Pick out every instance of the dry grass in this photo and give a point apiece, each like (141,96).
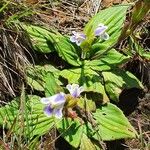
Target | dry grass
(12,63)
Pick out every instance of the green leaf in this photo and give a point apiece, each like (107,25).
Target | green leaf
(112,17)
(86,143)
(30,119)
(51,87)
(76,132)
(112,124)
(107,61)
(36,117)
(146,55)
(88,103)
(4,6)
(67,51)
(36,82)
(36,76)
(42,39)
(87,78)
(47,41)
(140,10)
(117,81)
(71,130)
(138,49)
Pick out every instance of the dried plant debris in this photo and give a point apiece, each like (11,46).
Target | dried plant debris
(12,63)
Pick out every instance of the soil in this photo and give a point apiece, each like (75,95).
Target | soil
(140,119)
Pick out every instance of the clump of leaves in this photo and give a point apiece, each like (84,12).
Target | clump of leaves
(94,64)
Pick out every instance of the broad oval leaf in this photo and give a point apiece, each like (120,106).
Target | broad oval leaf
(111,59)
(51,86)
(30,121)
(47,41)
(86,143)
(71,130)
(112,124)
(67,51)
(36,76)
(112,17)
(117,81)
(88,78)
(41,38)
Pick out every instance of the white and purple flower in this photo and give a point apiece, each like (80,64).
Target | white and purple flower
(77,37)
(54,105)
(75,90)
(101,32)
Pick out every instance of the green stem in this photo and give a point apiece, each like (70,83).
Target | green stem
(2,8)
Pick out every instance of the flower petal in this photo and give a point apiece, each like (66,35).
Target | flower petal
(100,30)
(69,86)
(78,42)
(58,99)
(74,89)
(75,85)
(105,36)
(75,92)
(81,89)
(58,113)
(45,100)
(74,33)
(48,111)
(82,36)
(73,38)
(77,37)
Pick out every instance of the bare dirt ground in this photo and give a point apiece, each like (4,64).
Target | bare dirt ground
(140,119)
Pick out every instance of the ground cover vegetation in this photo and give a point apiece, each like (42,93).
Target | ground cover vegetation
(71,74)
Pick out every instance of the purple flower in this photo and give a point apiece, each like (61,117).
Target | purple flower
(77,38)
(101,32)
(75,90)
(54,105)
